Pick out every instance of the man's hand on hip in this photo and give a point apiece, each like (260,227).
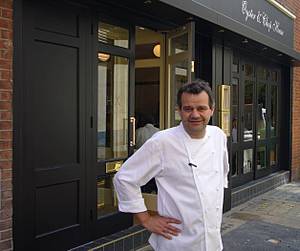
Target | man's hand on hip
(159,225)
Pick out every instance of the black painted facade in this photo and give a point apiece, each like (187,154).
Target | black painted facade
(55,103)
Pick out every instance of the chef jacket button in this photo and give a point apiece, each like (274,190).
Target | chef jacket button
(218,189)
(216,171)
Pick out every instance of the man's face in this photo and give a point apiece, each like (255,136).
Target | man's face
(195,113)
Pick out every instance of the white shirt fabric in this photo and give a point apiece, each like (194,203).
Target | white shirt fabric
(191,193)
(144,133)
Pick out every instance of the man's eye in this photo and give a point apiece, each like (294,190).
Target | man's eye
(202,108)
(188,109)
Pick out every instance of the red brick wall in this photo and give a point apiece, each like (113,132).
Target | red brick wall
(294,7)
(6,48)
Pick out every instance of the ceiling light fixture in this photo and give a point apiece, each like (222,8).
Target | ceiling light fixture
(103,56)
(245,41)
(156,50)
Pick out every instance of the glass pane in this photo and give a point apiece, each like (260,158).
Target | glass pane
(113,35)
(262,73)
(234,164)
(179,76)
(147,83)
(235,110)
(274,76)
(147,51)
(247,163)
(249,70)
(235,65)
(273,154)
(261,158)
(112,108)
(178,44)
(106,197)
(248,111)
(273,110)
(261,111)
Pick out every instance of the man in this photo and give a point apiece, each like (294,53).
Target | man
(146,130)
(190,166)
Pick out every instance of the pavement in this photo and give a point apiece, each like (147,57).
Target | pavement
(269,222)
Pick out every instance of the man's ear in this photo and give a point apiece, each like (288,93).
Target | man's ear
(212,110)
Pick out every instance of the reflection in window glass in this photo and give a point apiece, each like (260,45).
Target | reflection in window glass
(261,157)
(147,51)
(234,164)
(274,108)
(247,162)
(106,197)
(235,110)
(273,155)
(235,65)
(274,76)
(262,73)
(248,111)
(179,44)
(261,111)
(113,35)
(112,126)
(249,70)
(179,76)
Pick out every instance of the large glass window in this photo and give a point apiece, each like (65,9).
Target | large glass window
(261,118)
(261,157)
(248,111)
(249,70)
(180,77)
(106,197)
(234,164)
(248,162)
(235,65)
(274,102)
(178,44)
(113,35)
(235,110)
(112,141)
(273,154)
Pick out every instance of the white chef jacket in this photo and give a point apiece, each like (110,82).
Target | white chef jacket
(190,190)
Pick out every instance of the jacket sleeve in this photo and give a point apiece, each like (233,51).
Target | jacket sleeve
(142,166)
(225,162)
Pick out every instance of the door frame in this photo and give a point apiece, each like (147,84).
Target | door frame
(117,221)
(255,143)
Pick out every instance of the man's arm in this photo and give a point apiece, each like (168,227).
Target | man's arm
(142,166)
(158,224)
(225,163)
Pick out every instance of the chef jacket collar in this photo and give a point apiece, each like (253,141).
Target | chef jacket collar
(187,137)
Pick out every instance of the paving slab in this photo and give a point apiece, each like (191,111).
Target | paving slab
(261,236)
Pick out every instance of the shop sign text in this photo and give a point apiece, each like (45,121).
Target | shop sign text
(261,17)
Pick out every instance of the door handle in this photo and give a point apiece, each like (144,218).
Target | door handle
(132,122)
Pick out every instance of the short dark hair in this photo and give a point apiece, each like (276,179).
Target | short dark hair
(196,87)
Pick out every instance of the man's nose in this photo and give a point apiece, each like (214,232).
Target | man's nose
(195,114)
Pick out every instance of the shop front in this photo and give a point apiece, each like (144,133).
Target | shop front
(89,74)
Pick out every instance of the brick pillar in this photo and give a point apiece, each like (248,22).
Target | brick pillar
(6,48)
(294,6)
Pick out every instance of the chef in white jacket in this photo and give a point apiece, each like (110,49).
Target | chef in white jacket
(190,165)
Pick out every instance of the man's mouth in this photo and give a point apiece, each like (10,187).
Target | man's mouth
(195,121)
